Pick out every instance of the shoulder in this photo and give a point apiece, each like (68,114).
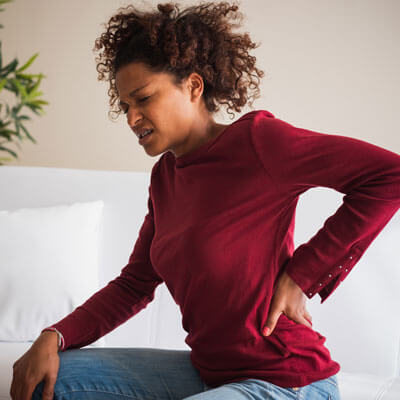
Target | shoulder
(254,116)
(250,121)
(262,119)
(267,130)
(257,115)
(262,123)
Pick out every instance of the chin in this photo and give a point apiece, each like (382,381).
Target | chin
(153,152)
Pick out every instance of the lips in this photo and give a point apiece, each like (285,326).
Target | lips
(139,132)
(145,138)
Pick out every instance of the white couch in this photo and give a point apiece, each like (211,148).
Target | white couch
(360,320)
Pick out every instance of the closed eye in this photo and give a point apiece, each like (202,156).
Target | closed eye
(144,99)
(124,107)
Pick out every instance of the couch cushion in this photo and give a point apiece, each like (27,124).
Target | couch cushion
(48,265)
(353,386)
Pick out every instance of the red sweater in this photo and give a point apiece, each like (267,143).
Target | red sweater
(219,231)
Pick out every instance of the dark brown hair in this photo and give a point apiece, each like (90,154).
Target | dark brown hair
(197,39)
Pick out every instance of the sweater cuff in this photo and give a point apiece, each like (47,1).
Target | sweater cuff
(313,276)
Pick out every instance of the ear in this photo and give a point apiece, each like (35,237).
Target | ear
(195,85)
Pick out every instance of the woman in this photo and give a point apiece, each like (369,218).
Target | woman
(219,228)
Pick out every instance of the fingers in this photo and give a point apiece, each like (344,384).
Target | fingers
(301,317)
(26,392)
(22,389)
(12,392)
(299,313)
(14,386)
(274,314)
(308,316)
(28,388)
(34,367)
(48,390)
(271,322)
(289,299)
(305,321)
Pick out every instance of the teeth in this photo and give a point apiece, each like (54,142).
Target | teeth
(145,133)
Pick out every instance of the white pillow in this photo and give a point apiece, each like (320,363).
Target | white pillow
(48,266)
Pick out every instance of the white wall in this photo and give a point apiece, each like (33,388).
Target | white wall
(331,66)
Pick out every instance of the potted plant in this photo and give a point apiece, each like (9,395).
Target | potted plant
(25,88)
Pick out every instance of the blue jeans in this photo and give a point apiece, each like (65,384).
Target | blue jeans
(160,374)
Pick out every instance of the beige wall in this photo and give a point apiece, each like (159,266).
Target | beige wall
(331,66)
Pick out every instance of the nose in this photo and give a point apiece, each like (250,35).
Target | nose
(133,117)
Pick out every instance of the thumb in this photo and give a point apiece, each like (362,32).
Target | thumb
(272,319)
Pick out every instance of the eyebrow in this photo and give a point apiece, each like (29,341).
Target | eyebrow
(137,90)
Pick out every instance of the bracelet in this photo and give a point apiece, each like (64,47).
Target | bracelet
(60,342)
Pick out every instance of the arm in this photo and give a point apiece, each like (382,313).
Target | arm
(369,176)
(120,299)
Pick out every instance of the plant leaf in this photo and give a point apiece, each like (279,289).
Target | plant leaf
(9,151)
(36,85)
(5,159)
(5,1)
(33,108)
(33,95)
(17,130)
(4,124)
(29,77)
(11,87)
(7,133)
(2,83)
(28,63)
(37,102)
(20,88)
(27,133)
(8,68)
(15,110)
(23,117)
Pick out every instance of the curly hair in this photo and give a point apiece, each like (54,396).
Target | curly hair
(198,39)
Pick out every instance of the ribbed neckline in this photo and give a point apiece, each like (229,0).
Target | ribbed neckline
(190,156)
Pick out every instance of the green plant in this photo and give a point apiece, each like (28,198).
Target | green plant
(25,88)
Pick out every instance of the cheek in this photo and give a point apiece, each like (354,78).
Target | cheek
(180,103)
(179,117)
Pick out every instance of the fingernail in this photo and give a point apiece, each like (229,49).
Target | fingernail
(265,331)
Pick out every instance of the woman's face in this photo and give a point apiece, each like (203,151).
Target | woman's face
(152,101)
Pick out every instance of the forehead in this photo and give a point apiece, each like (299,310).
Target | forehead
(134,75)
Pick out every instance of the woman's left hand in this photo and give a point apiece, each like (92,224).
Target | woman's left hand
(288,299)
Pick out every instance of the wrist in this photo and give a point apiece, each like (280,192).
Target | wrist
(54,336)
(48,340)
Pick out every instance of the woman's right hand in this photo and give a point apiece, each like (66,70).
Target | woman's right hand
(40,362)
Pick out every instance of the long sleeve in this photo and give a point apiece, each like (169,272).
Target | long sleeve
(120,299)
(369,176)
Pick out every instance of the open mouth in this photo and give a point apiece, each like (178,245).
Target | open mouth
(145,136)
(145,133)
